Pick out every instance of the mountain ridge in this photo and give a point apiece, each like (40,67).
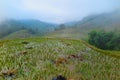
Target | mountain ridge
(80,29)
(36,27)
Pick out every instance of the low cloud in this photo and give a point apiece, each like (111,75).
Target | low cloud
(58,11)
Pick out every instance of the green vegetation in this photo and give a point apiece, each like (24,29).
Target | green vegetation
(80,29)
(76,29)
(60,27)
(34,27)
(105,40)
(44,58)
(19,34)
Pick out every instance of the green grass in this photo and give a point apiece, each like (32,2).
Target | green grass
(18,35)
(74,33)
(37,63)
(113,53)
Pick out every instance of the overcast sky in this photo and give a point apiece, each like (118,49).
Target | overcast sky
(55,11)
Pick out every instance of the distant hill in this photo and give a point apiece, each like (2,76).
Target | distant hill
(105,21)
(35,27)
(19,34)
(79,29)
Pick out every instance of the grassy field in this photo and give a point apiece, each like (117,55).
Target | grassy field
(45,58)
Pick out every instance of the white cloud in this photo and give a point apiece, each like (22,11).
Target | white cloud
(46,10)
(54,10)
(2,15)
(41,7)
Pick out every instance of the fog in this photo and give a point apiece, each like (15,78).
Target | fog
(55,11)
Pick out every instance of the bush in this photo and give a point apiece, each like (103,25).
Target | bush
(105,40)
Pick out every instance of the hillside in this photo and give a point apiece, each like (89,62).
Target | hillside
(35,27)
(106,21)
(19,34)
(46,58)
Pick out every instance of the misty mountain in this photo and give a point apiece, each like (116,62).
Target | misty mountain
(79,29)
(19,34)
(105,20)
(34,27)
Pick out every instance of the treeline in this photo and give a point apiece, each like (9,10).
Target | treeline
(60,27)
(105,40)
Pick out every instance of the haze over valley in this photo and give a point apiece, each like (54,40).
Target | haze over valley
(59,40)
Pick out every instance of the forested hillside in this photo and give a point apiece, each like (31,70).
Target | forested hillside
(35,27)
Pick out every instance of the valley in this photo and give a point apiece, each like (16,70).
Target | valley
(32,49)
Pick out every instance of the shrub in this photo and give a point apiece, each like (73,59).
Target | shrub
(105,40)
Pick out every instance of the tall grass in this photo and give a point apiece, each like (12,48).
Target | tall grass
(37,63)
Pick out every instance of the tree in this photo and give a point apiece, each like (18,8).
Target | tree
(61,26)
(92,34)
(104,40)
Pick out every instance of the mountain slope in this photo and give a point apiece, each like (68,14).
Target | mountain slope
(105,21)
(19,34)
(80,29)
(46,58)
(36,27)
